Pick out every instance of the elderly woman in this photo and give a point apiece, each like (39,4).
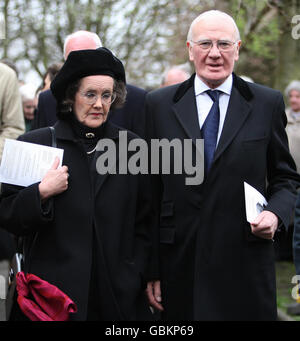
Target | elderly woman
(292,92)
(29,103)
(85,233)
(283,244)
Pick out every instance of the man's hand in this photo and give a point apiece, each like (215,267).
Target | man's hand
(154,295)
(265,225)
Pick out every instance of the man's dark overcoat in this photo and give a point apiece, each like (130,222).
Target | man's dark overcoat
(210,265)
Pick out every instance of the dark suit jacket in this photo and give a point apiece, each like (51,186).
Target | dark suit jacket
(210,265)
(130,116)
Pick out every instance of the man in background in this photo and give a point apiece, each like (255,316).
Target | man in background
(174,75)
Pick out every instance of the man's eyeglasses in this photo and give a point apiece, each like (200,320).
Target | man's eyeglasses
(222,45)
(90,97)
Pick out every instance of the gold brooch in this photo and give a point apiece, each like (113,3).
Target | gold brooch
(90,135)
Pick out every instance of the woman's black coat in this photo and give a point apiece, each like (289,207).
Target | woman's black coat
(112,213)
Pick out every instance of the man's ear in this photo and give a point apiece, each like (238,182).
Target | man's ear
(189,46)
(237,53)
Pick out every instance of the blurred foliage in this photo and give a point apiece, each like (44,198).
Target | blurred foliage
(285,271)
(150,35)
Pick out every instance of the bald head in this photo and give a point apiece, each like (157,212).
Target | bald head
(81,40)
(173,76)
(213,65)
(213,14)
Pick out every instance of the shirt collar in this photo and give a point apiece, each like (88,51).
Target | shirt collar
(201,87)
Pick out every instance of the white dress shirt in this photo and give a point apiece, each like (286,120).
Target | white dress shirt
(204,102)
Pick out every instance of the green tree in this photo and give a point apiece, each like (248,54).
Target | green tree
(150,35)
(288,49)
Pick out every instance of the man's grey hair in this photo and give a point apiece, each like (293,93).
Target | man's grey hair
(211,13)
(294,85)
(83,33)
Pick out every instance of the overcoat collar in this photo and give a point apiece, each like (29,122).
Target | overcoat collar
(185,109)
(239,108)
(64,131)
(238,82)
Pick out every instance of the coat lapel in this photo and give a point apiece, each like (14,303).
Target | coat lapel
(185,109)
(238,110)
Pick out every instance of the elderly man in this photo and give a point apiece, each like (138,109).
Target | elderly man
(130,117)
(208,262)
(174,75)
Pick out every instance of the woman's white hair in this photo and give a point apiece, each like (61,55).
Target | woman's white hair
(27,92)
(212,13)
(294,85)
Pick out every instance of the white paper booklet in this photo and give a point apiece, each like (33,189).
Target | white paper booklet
(255,202)
(25,163)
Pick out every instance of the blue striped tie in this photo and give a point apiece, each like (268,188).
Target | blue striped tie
(210,129)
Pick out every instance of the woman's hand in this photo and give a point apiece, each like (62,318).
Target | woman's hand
(55,181)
